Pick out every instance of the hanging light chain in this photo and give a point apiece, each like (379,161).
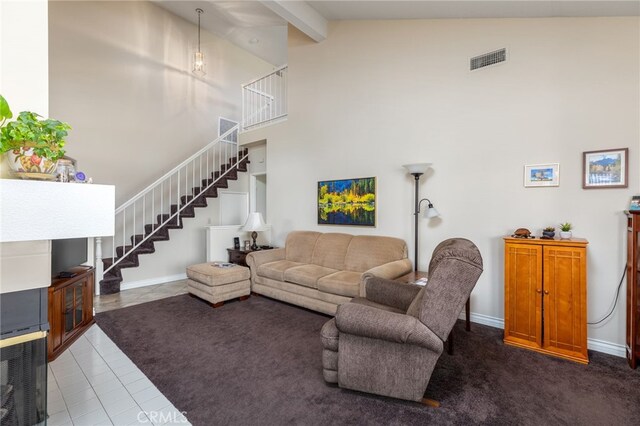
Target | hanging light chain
(200,11)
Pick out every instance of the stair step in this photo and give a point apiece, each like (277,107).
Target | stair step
(110,284)
(186,212)
(197,202)
(175,223)
(230,172)
(135,239)
(222,182)
(142,249)
(126,263)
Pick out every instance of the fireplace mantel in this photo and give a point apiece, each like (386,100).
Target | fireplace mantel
(35,210)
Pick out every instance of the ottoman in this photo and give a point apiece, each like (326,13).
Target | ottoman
(215,284)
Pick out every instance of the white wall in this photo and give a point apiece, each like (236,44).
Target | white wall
(24,83)
(24,55)
(120,74)
(379,94)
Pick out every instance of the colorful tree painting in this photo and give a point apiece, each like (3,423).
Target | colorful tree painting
(347,202)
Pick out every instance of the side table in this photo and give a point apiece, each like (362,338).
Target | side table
(414,276)
(239,256)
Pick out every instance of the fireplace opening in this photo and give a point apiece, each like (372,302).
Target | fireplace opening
(23,358)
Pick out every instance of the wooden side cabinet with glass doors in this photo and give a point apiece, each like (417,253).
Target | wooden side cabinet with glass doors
(70,309)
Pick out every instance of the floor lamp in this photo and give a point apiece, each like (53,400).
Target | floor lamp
(418,170)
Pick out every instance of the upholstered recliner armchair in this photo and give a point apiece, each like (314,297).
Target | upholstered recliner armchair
(389,341)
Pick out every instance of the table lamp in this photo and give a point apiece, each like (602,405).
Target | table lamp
(254,224)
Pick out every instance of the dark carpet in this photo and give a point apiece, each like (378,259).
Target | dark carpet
(259,362)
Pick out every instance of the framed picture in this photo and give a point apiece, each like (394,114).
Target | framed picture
(542,175)
(605,169)
(347,202)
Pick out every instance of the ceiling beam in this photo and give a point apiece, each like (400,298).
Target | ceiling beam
(300,15)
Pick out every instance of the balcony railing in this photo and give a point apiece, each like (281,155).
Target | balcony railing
(264,100)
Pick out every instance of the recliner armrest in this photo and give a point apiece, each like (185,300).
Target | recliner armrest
(376,323)
(390,293)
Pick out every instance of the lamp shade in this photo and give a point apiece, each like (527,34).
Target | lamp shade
(420,168)
(254,223)
(431,212)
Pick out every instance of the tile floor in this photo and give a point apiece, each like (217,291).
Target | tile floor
(136,296)
(95,383)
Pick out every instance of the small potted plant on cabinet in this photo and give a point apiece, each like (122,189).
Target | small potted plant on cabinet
(565,230)
(549,232)
(31,145)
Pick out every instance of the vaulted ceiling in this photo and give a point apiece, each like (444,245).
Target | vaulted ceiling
(261,26)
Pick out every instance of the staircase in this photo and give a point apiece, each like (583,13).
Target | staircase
(148,217)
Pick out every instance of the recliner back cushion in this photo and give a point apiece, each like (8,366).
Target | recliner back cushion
(368,251)
(446,293)
(330,250)
(299,245)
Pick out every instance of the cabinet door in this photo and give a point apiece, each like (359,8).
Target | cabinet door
(565,301)
(523,294)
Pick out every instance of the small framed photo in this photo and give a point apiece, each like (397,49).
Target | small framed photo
(605,169)
(542,175)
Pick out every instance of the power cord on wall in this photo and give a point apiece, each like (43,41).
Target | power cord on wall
(615,302)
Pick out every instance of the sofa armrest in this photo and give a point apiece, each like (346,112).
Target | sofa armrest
(260,257)
(390,293)
(389,270)
(366,321)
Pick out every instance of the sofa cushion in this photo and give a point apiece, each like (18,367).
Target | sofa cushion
(367,251)
(275,270)
(307,275)
(299,246)
(330,250)
(344,283)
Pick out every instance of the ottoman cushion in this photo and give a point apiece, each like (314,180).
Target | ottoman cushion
(207,273)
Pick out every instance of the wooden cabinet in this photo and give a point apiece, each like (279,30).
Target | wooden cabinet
(633,289)
(545,296)
(70,309)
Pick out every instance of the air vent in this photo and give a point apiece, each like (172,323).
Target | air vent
(224,125)
(488,59)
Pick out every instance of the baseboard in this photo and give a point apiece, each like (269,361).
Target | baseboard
(152,281)
(593,344)
(486,320)
(607,347)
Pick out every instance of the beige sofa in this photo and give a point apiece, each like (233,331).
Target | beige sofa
(320,271)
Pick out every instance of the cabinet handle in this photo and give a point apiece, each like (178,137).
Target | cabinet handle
(546,292)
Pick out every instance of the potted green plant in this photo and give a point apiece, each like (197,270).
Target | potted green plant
(32,145)
(565,230)
(549,232)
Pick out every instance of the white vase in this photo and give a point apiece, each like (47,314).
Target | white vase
(565,235)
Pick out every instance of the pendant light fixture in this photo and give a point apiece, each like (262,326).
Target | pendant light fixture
(198,56)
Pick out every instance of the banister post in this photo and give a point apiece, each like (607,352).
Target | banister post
(99,265)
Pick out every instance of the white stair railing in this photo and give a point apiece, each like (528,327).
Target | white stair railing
(264,100)
(162,202)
